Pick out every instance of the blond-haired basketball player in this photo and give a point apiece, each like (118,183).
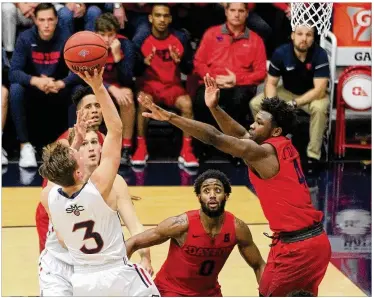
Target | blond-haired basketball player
(84,213)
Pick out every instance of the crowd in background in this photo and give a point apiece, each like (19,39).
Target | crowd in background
(162,50)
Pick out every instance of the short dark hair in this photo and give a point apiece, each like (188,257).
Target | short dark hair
(215,174)
(283,114)
(107,22)
(45,6)
(80,93)
(245,5)
(160,4)
(300,293)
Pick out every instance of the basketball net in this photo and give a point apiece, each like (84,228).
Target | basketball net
(311,14)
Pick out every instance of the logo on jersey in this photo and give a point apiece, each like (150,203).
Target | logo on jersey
(361,23)
(226,238)
(207,252)
(75,209)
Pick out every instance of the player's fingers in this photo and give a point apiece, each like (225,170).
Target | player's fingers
(102,71)
(206,81)
(147,115)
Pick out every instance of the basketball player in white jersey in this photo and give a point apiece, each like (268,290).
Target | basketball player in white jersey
(84,213)
(55,263)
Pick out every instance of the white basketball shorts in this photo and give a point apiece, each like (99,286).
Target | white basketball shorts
(54,276)
(114,279)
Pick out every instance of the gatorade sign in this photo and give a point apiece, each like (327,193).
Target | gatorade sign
(352,28)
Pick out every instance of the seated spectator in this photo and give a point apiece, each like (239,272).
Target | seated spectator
(77,11)
(4,100)
(256,23)
(39,78)
(304,68)
(165,52)
(118,76)
(235,57)
(14,14)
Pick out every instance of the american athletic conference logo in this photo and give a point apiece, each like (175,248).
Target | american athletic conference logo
(75,209)
(361,23)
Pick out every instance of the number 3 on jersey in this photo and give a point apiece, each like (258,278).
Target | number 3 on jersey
(89,234)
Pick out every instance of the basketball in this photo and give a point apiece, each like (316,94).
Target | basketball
(85,51)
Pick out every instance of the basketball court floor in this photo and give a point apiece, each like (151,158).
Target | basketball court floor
(343,192)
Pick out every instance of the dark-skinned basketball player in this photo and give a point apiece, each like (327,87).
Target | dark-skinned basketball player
(200,242)
(300,250)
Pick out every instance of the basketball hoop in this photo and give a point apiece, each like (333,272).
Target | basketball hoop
(311,14)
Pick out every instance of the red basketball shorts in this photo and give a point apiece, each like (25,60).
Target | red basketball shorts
(169,289)
(42,221)
(161,93)
(296,266)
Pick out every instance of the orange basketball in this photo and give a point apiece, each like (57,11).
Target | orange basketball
(85,51)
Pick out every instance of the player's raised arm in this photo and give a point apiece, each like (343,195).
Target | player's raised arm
(103,177)
(226,123)
(246,149)
(173,227)
(248,248)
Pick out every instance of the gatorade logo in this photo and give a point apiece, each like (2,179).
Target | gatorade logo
(361,23)
(358,91)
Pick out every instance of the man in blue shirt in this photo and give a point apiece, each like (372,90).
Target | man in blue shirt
(304,68)
(40,81)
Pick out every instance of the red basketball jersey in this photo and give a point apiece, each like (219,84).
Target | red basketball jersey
(65,136)
(192,270)
(285,198)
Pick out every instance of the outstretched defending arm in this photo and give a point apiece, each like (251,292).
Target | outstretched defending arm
(173,227)
(103,177)
(246,149)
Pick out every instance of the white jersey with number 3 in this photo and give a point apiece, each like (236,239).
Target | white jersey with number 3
(91,230)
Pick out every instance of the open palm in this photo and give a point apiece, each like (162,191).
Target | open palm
(211,92)
(156,112)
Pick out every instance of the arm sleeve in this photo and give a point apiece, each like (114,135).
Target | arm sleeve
(19,62)
(258,73)
(322,68)
(276,63)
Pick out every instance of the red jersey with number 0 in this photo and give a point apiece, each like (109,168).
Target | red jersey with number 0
(285,198)
(192,270)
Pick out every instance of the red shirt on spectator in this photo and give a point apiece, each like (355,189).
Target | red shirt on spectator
(244,55)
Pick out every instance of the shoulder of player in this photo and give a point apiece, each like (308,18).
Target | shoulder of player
(242,230)
(270,149)
(119,184)
(177,224)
